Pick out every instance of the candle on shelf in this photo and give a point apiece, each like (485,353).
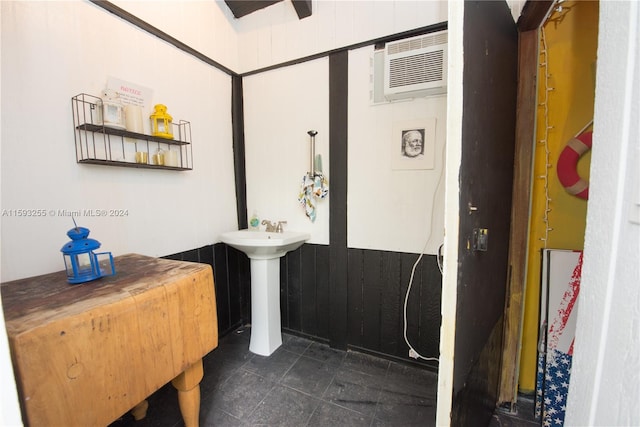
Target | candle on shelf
(133,118)
(133,122)
(171,158)
(142,157)
(158,158)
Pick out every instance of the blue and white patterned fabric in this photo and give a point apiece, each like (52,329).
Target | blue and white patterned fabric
(539,385)
(555,349)
(313,187)
(556,379)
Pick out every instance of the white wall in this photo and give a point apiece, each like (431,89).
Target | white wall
(52,51)
(391,209)
(204,25)
(275,34)
(605,377)
(280,106)
(403,222)
(387,209)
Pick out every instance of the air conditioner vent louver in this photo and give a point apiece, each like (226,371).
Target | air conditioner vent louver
(416,67)
(417,43)
(411,70)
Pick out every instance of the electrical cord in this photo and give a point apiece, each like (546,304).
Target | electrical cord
(412,351)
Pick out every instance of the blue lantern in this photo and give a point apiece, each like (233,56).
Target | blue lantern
(81,263)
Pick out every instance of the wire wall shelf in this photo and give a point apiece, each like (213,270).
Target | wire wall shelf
(100,144)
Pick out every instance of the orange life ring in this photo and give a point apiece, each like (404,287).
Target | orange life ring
(568,162)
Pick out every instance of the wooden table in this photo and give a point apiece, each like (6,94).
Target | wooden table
(85,354)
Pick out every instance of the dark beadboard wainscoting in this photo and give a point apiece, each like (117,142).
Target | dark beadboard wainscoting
(377,282)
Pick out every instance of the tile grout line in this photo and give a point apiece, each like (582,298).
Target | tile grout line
(334,361)
(248,416)
(275,383)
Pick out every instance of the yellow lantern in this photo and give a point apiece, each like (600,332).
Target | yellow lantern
(161,122)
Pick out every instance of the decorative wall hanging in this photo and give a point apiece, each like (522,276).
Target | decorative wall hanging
(568,164)
(413,144)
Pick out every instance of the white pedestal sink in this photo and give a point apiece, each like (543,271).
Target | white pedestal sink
(264,250)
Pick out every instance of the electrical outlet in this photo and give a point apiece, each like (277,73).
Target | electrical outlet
(480,239)
(413,354)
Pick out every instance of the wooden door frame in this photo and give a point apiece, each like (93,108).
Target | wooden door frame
(532,17)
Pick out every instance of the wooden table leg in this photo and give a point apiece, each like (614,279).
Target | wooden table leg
(140,410)
(188,386)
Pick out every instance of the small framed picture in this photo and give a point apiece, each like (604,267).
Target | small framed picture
(413,144)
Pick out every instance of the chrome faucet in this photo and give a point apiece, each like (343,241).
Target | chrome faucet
(279,228)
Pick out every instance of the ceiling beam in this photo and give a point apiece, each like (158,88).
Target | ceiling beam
(302,7)
(240,8)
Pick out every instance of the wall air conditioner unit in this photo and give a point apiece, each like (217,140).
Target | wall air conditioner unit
(416,67)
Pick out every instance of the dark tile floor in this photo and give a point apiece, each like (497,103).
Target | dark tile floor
(304,383)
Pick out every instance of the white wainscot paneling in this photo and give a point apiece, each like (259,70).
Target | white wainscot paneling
(281,106)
